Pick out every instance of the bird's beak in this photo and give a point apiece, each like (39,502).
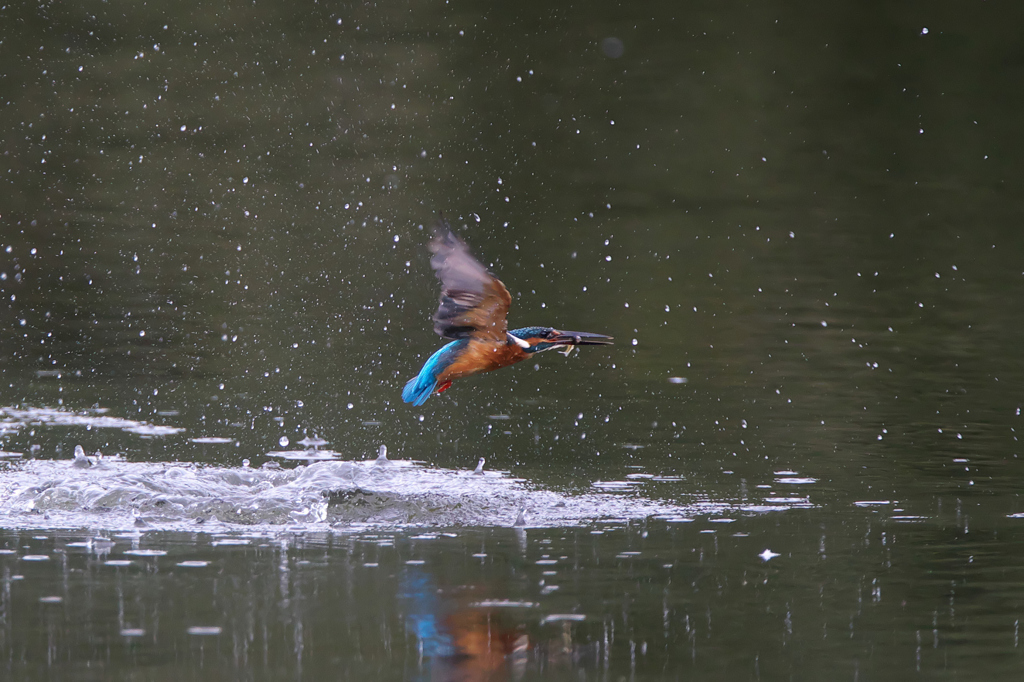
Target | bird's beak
(581,339)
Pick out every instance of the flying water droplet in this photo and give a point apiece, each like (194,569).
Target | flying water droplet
(81,461)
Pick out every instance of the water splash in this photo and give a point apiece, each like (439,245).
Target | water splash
(14,419)
(115,494)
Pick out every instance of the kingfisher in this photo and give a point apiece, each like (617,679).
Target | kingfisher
(473,307)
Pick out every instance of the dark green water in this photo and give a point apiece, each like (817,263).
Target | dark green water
(213,218)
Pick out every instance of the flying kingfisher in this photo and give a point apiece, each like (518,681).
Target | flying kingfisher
(474,305)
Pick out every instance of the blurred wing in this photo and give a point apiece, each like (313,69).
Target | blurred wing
(473,302)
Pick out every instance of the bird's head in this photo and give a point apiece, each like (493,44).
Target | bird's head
(537,339)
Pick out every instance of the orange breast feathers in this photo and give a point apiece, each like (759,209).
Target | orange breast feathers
(481,356)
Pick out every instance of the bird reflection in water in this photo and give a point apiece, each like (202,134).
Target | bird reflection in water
(458,641)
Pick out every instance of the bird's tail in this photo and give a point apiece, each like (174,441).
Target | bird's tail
(419,389)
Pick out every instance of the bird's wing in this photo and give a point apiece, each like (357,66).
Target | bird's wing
(473,302)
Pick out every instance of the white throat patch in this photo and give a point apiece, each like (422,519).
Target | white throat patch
(518,341)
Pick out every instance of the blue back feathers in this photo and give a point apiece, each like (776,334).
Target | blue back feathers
(529,332)
(419,389)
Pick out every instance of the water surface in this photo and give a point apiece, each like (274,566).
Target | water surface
(800,459)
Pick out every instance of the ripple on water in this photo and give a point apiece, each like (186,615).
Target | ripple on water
(616,485)
(909,518)
(561,617)
(15,419)
(204,630)
(231,542)
(310,455)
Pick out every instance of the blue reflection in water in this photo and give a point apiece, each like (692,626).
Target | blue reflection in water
(424,606)
(459,642)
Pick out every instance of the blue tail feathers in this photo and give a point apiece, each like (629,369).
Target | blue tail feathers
(419,388)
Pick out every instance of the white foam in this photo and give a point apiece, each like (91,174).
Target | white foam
(15,419)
